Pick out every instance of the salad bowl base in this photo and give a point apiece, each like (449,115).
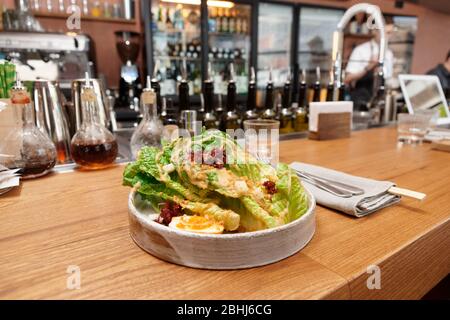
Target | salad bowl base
(223,251)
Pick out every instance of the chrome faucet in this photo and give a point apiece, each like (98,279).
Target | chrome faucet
(338,39)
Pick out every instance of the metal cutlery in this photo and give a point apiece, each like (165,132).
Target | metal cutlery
(326,186)
(336,184)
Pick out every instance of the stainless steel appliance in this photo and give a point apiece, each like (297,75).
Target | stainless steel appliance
(51,116)
(48,56)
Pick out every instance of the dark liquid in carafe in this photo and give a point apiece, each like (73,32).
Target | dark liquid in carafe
(94,155)
(36,168)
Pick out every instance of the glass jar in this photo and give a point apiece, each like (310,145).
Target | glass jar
(26,147)
(93,146)
(149,130)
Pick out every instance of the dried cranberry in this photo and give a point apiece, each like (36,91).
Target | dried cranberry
(168,211)
(270,187)
(176,209)
(218,165)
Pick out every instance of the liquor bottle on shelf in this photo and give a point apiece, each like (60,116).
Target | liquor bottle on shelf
(169,23)
(238,23)
(244,28)
(287,91)
(220,111)
(209,116)
(269,113)
(212,20)
(250,112)
(160,22)
(342,90)
(154,84)
(230,119)
(232,21)
(183,89)
(219,20)
(316,87)
(285,115)
(330,88)
(302,90)
(225,22)
(300,115)
(169,112)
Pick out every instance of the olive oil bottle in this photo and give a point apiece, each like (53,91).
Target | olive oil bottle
(230,120)
(330,87)
(209,117)
(300,115)
(269,112)
(316,86)
(156,87)
(285,115)
(250,112)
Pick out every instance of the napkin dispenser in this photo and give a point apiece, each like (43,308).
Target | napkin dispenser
(330,120)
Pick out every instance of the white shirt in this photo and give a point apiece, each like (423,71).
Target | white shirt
(363,53)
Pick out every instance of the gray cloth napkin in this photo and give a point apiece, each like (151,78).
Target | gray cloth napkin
(374,198)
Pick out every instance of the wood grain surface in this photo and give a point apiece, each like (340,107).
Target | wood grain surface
(80,218)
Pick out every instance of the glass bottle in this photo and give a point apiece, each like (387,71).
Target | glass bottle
(27,148)
(168,112)
(231,119)
(250,112)
(93,146)
(183,90)
(156,87)
(300,116)
(149,130)
(330,88)
(316,86)
(209,116)
(286,125)
(269,113)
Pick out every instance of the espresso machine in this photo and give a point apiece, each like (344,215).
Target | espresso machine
(128,44)
(48,56)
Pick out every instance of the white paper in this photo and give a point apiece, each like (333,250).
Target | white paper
(315,108)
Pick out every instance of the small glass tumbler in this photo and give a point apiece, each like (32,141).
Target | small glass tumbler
(411,128)
(262,138)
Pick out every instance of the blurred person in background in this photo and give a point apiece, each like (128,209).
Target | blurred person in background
(361,68)
(442,71)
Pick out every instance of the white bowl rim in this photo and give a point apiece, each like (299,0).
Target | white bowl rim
(228,236)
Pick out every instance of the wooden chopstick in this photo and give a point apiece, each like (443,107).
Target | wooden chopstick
(407,193)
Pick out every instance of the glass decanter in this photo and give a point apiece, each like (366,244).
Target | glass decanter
(150,129)
(93,146)
(26,147)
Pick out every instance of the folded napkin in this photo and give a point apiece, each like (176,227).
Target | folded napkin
(374,198)
(8,179)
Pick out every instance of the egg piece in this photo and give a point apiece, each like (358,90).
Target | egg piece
(197,224)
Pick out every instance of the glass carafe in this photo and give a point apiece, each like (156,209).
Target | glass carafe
(93,146)
(26,147)
(149,130)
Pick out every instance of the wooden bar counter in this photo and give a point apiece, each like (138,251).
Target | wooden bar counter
(80,219)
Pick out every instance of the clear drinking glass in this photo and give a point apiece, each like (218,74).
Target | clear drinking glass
(262,139)
(411,128)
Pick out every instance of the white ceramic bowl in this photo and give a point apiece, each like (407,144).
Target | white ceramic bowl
(223,251)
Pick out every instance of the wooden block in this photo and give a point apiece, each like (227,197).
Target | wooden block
(443,145)
(332,126)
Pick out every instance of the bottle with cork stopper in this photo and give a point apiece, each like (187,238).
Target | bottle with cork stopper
(93,146)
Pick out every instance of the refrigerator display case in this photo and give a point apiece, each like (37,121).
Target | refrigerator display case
(229,41)
(176,37)
(315,40)
(275,22)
